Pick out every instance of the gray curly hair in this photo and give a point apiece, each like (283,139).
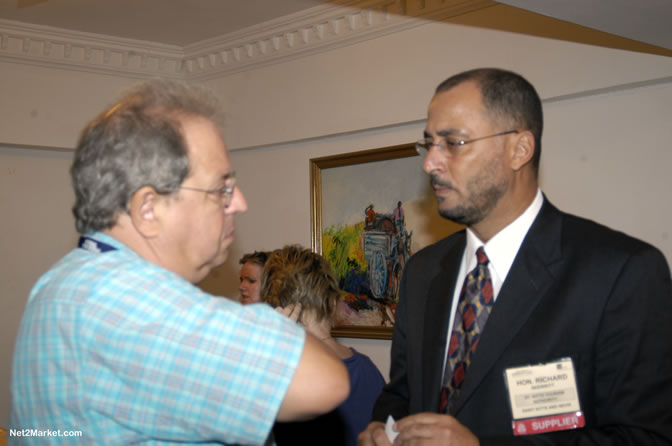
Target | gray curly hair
(134,143)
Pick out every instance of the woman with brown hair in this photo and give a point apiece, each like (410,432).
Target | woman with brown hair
(300,284)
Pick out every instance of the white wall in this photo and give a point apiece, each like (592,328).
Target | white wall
(388,81)
(48,107)
(604,154)
(607,157)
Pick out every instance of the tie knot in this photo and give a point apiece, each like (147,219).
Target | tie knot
(481,257)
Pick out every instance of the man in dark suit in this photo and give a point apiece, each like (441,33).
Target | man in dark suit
(546,289)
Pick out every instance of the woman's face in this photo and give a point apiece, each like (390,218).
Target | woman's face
(250,282)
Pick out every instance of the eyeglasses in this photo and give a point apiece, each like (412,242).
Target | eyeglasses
(224,193)
(450,147)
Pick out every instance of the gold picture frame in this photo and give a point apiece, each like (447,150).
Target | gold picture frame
(370,210)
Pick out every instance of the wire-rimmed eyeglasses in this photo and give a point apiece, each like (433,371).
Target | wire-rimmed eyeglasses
(224,193)
(450,146)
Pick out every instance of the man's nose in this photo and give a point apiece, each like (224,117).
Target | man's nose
(434,159)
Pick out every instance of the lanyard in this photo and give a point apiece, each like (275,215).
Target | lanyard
(94,245)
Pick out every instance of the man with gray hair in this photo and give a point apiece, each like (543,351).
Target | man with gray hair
(116,341)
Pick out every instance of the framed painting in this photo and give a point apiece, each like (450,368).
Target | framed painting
(370,211)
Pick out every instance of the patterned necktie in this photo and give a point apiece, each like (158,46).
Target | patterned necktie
(473,309)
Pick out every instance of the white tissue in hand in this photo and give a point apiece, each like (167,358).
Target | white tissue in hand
(391,434)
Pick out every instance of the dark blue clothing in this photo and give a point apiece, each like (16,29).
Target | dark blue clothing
(341,426)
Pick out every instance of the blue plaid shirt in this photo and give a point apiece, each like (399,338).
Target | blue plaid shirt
(125,351)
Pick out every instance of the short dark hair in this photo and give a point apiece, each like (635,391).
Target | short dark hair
(256,257)
(134,143)
(296,275)
(507,96)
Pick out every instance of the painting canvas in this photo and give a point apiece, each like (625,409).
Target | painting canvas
(371,211)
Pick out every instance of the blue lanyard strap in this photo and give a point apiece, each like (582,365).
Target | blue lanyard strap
(94,245)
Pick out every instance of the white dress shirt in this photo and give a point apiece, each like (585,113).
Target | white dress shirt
(501,251)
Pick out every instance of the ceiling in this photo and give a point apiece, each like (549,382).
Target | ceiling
(648,21)
(184,22)
(175,22)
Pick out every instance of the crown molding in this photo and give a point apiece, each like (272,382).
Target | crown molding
(315,30)
(312,31)
(71,50)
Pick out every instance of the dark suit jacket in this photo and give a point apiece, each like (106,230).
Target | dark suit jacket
(576,289)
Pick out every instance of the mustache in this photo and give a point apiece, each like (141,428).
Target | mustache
(435,181)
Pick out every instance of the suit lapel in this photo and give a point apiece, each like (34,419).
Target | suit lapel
(437,313)
(525,285)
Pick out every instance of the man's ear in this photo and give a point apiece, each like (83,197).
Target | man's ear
(144,211)
(522,150)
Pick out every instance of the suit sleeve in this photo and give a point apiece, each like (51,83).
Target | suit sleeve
(630,402)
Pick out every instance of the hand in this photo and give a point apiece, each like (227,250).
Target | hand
(433,429)
(291,311)
(373,435)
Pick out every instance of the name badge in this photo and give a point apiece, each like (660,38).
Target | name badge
(544,397)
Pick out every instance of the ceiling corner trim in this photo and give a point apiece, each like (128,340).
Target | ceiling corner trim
(78,51)
(315,30)
(308,32)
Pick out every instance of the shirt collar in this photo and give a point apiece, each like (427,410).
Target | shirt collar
(503,247)
(107,239)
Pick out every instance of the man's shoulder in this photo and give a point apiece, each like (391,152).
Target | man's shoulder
(440,247)
(593,235)
(588,241)
(83,277)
